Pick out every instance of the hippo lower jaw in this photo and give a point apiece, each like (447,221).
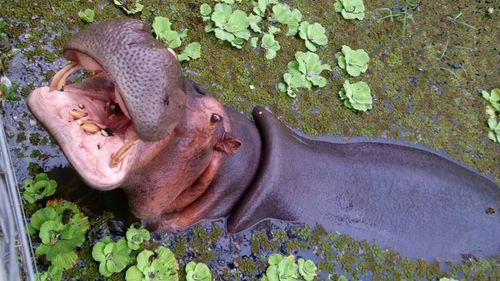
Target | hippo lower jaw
(90,126)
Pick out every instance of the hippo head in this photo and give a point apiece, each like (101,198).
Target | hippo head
(134,108)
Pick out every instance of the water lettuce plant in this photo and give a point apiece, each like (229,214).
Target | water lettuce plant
(271,45)
(39,187)
(354,62)
(494,126)
(304,72)
(159,265)
(7,88)
(205,11)
(356,96)
(493,99)
(313,34)
(112,256)
(191,52)
(307,269)
(162,27)
(493,110)
(291,18)
(229,25)
(135,237)
(61,228)
(87,15)
(260,7)
(350,9)
(127,6)
(254,21)
(198,272)
(53,273)
(283,268)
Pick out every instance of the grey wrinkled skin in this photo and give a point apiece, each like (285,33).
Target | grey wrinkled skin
(145,73)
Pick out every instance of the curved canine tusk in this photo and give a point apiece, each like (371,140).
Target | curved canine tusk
(118,157)
(62,75)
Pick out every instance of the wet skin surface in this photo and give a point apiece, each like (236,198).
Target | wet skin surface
(205,167)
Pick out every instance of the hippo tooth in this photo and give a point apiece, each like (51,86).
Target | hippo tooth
(77,114)
(118,157)
(90,127)
(59,80)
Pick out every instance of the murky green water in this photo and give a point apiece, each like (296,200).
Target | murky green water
(426,88)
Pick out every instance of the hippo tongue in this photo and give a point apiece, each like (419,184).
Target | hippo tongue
(146,75)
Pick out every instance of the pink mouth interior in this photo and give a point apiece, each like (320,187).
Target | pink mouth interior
(90,153)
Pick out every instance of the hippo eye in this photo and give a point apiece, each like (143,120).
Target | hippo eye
(216,118)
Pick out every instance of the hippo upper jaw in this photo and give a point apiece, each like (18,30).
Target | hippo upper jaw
(95,135)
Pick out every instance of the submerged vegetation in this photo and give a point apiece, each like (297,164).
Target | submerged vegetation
(414,99)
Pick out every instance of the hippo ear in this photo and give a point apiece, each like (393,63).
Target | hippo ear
(228,144)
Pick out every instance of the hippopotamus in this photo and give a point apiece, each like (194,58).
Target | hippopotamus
(181,157)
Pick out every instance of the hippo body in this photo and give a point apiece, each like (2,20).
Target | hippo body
(418,202)
(207,161)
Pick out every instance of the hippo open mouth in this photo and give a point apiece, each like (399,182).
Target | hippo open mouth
(91,123)
(136,94)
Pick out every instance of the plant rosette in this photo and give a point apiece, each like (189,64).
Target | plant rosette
(494,133)
(271,45)
(198,272)
(350,9)
(229,25)
(354,62)
(158,266)
(38,188)
(112,256)
(162,27)
(53,273)
(313,34)
(307,269)
(135,237)
(126,7)
(291,18)
(87,15)
(281,269)
(493,99)
(304,72)
(356,96)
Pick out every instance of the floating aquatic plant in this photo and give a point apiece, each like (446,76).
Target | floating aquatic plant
(112,256)
(135,237)
(61,228)
(313,34)
(191,52)
(260,6)
(198,272)
(229,25)
(271,45)
(128,9)
(350,9)
(158,266)
(254,21)
(87,15)
(493,99)
(354,62)
(493,110)
(356,96)
(162,27)
(307,269)
(53,273)
(304,72)
(7,88)
(291,18)
(39,187)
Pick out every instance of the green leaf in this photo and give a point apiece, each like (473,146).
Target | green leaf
(254,23)
(254,41)
(356,96)
(284,15)
(237,22)
(350,9)
(221,14)
(354,62)
(492,136)
(162,29)
(205,9)
(271,45)
(492,123)
(191,52)
(198,272)
(53,273)
(87,15)
(65,260)
(307,269)
(313,34)
(138,7)
(134,274)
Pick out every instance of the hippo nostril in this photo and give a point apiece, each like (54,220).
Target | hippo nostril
(215,118)
(166,100)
